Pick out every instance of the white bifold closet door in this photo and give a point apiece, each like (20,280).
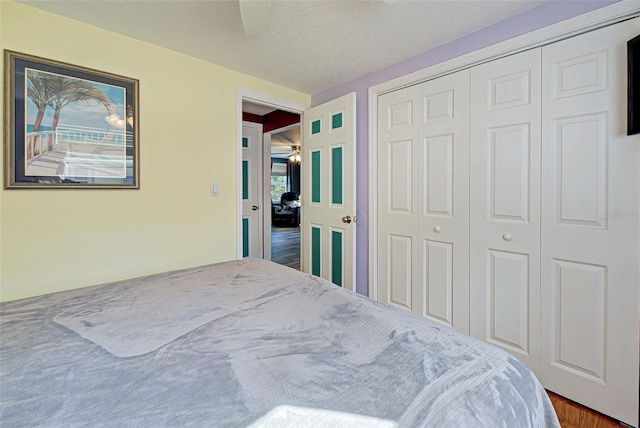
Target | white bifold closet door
(511,191)
(590,224)
(505,205)
(423,183)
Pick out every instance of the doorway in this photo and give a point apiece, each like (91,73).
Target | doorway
(284,187)
(327,213)
(283,118)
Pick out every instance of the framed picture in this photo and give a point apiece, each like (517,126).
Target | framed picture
(68,127)
(633,86)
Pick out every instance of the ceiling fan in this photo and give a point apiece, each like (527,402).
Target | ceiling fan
(255,16)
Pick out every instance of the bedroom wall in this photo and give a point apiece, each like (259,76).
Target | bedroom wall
(548,13)
(54,240)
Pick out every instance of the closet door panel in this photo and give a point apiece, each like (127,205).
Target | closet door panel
(590,224)
(438,280)
(397,199)
(423,182)
(508,154)
(438,176)
(399,271)
(580,290)
(505,204)
(509,300)
(443,183)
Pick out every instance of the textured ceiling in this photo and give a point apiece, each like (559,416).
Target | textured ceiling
(283,142)
(258,109)
(310,45)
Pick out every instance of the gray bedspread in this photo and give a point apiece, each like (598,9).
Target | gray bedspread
(249,344)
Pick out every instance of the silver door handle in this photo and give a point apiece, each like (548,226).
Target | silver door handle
(254,208)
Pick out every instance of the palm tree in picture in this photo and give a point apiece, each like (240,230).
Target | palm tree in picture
(65,91)
(39,93)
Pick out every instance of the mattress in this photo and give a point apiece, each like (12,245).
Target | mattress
(249,343)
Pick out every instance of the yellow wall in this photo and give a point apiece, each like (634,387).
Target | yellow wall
(54,240)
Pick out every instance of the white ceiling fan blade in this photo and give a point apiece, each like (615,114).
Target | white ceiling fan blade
(255,16)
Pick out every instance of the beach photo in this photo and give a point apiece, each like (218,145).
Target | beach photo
(75,128)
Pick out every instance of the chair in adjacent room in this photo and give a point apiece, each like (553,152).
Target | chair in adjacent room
(287,211)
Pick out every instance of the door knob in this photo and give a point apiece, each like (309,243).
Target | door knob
(346,219)
(254,208)
(437,229)
(507,236)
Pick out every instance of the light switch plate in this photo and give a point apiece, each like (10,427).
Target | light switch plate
(215,189)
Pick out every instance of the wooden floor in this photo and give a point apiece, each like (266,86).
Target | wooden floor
(285,246)
(573,415)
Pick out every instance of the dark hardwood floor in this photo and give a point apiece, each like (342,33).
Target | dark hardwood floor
(285,246)
(573,415)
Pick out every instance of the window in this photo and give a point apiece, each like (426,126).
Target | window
(278,186)
(278,180)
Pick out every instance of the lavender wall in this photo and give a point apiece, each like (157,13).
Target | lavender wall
(546,14)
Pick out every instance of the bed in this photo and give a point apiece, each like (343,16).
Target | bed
(249,343)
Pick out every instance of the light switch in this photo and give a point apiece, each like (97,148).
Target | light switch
(215,189)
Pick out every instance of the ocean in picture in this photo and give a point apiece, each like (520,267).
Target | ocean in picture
(42,128)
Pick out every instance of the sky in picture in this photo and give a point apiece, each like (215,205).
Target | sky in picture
(89,114)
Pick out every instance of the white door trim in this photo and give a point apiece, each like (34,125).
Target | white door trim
(266,196)
(263,99)
(571,27)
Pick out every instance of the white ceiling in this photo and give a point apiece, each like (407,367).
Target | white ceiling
(283,142)
(310,45)
(258,109)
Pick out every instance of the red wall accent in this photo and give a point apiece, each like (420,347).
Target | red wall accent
(279,119)
(274,120)
(250,117)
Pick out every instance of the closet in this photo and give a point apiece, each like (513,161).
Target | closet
(424,189)
(509,209)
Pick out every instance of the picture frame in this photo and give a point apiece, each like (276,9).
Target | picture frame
(633,85)
(68,127)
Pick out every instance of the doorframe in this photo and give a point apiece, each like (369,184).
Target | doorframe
(243,94)
(598,18)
